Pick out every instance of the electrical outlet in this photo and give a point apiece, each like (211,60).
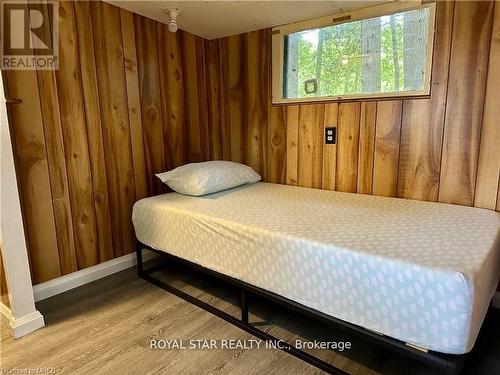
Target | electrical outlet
(331,135)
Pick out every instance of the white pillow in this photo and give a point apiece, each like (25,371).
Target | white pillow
(208,177)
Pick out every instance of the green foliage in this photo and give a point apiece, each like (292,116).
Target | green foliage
(333,57)
(387,60)
(341,63)
(307,64)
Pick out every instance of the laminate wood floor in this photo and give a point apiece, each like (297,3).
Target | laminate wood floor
(106,328)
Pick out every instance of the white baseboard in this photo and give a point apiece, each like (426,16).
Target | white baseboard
(496,300)
(87,275)
(21,326)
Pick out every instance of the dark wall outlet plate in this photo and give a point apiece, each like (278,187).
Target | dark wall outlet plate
(330,135)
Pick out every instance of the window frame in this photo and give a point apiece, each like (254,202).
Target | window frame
(386,9)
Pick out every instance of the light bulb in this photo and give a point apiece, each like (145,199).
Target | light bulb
(172,26)
(173,13)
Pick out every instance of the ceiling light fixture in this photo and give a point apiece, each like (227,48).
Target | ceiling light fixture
(173,13)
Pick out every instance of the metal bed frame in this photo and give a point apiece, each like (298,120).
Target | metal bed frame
(449,364)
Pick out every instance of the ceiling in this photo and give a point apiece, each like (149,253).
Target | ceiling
(216,19)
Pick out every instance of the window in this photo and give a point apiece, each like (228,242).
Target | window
(382,51)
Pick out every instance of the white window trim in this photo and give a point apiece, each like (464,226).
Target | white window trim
(278,44)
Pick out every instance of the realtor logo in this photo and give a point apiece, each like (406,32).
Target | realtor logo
(30,35)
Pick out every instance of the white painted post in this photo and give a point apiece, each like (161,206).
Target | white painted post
(23,318)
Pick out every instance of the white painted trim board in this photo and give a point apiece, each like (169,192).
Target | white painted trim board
(87,275)
(20,327)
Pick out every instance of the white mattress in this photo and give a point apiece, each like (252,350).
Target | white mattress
(420,272)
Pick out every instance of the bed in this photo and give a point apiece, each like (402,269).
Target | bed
(423,273)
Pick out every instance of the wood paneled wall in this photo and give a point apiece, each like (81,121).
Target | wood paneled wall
(131,99)
(445,148)
(89,137)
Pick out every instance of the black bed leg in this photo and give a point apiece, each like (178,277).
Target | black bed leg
(138,251)
(244,306)
(454,367)
(450,370)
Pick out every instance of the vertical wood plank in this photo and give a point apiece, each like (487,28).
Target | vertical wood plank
(172,95)
(214,101)
(423,121)
(329,151)
(257,91)
(265,89)
(150,93)
(202,89)
(310,150)
(94,130)
(134,104)
(292,144)
(366,152)
(33,174)
(194,149)
(489,151)
(237,118)
(106,26)
(347,147)
(73,121)
(387,139)
(56,161)
(225,93)
(464,109)
(277,145)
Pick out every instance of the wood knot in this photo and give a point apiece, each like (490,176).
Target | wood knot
(84,219)
(152,114)
(276,141)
